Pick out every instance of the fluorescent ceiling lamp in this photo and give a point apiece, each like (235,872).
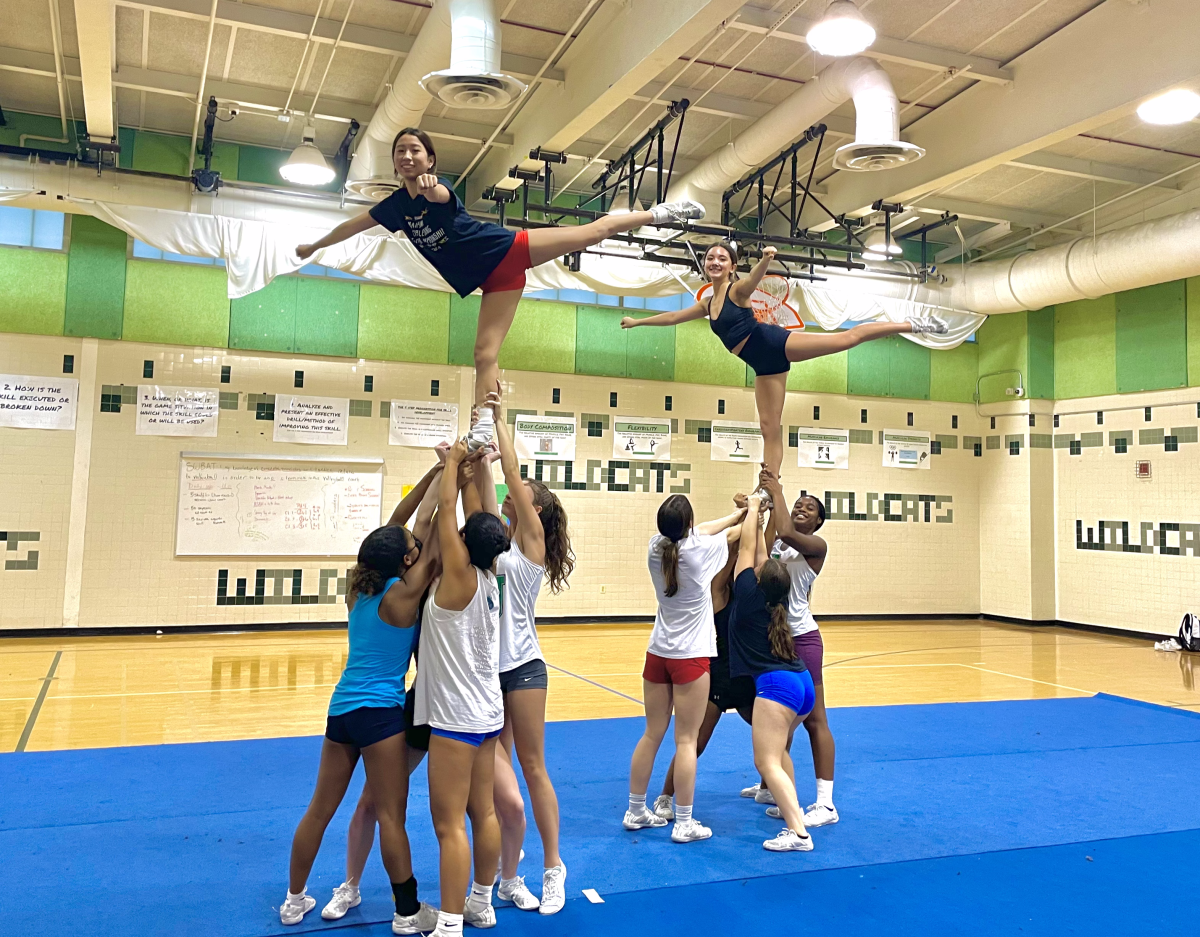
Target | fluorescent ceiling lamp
(841,31)
(306,165)
(1176,106)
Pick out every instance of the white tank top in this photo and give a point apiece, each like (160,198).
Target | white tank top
(459,689)
(800,616)
(520,581)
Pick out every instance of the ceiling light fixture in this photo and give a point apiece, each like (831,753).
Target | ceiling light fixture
(841,31)
(306,165)
(1177,106)
(879,246)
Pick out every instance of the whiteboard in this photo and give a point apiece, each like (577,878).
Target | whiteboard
(229,509)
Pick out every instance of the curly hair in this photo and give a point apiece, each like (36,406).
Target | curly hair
(560,558)
(380,558)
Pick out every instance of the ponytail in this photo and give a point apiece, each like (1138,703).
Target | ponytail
(776,584)
(560,558)
(670,567)
(779,633)
(674,523)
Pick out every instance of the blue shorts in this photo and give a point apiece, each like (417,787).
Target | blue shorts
(787,688)
(365,726)
(766,349)
(471,738)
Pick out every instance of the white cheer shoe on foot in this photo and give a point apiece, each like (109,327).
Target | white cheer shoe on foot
(345,897)
(751,790)
(481,916)
(514,890)
(764,796)
(425,920)
(686,210)
(689,831)
(930,324)
(641,821)
(820,815)
(663,807)
(789,840)
(554,889)
(293,912)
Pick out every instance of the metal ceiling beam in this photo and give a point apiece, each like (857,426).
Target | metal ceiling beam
(1088,169)
(988,125)
(756,20)
(95,27)
(728,106)
(297,25)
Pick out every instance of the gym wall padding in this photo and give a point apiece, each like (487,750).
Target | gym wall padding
(650,353)
(868,369)
(171,303)
(825,375)
(601,345)
(1003,345)
(265,320)
(952,373)
(326,317)
(160,152)
(1085,348)
(1193,329)
(1152,338)
(464,317)
(542,338)
(700,358)
(95,279)
(1040,380)
(400,324)
(908,369)
(33,291)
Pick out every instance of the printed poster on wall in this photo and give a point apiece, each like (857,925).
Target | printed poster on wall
(320,421)
(545,437)
(422,424)
(635,438)
(28,402)
(822,448)
(905,448)
(736,442)
(176,411)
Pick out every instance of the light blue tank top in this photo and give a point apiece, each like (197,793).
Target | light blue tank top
(378,660)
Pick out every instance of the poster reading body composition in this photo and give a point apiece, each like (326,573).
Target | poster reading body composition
(422,424)
(38,402)
(319,421)
(736,442)
(176,411)
(822,448)
(635,438)
(545,437)
(905,448)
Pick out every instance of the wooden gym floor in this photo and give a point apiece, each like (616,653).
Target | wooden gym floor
(60,693)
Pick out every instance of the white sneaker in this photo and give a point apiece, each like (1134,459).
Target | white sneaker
(928,324)
(477,916)
(482,432)
(774,813)
(425,920)
(554,891)
(677,211)
(820,815)
(789,841)
(640,821)
(764,796)
(752,790)
(689,831)
(515,891)
(290,913)
(345,897)
(500,867)
(664,808)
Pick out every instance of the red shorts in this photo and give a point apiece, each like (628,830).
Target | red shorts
(674,670)
(510,272)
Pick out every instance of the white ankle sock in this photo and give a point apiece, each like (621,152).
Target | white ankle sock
(297,899)
(449,923)
(637,802)
(824,793)
(683,814)
(486,417)
(481,894)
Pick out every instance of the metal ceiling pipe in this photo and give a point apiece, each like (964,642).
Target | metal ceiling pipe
(474,79)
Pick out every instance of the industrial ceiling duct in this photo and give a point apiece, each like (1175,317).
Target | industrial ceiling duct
(474,79)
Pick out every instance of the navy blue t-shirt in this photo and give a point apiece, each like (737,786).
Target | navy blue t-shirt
(463,250)
(749,647)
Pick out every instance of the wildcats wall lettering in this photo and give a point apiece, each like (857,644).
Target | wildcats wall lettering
(900,508)
(1166,538)
(330,587)
(613,475)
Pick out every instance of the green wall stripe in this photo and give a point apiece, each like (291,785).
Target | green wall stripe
(399,324)
(326,317)
(265,320)
(1040,325)
(1152,338)
(868,369)
(1085,346)
(33,291)
(95,279)
(1193,330)
(1003,344)
(650,352)
(909,368)
(952,373)
(700,358)
(601,345)
(176,304)
(464,318)
(542,338)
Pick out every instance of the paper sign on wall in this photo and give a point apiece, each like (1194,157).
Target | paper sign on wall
(422,424)
(822,448)
(635,438)
(314,420)
(736,442)
(28,402)
(545,437)
(176,411)
(905,448)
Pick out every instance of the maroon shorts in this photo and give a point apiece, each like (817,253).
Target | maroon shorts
(674,670)
(811,649)
(510,272)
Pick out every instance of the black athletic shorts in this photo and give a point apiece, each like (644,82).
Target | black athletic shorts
(725,693)
(416,736)
(530,675)
(365,726)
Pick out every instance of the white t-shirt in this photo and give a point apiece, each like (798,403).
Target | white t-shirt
(800,616)
(459,685)
(683,627)
(520,581)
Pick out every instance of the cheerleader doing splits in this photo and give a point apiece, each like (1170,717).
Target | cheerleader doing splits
(472,254)
(769,349)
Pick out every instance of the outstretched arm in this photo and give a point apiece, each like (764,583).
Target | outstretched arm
(531,537)
(750,537)
(457,585)
(404,510)
(721,523)
(694,311)
(347,229)
(742,289)
(421,528)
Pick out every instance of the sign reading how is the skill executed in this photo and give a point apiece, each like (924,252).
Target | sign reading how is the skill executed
(28,402)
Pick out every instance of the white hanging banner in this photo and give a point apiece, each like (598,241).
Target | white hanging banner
(38,402)
(545,437)
(176,411)
(905,448)
(822,448)
(422,424)
(321,421)
(736,442)
(635,438)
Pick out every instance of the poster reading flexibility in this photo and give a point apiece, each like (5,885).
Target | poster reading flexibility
(635,438)
(905,448)
(736,442)
(176,411)
(545,437)
(822,448)
(320,421)
(422,424)
(28,402)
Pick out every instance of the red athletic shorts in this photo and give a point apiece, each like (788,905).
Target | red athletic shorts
(674,670)
(510,272)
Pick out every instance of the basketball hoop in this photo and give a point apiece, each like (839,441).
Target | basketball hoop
(769,302)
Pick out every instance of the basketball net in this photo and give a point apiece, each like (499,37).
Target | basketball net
(769,302)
